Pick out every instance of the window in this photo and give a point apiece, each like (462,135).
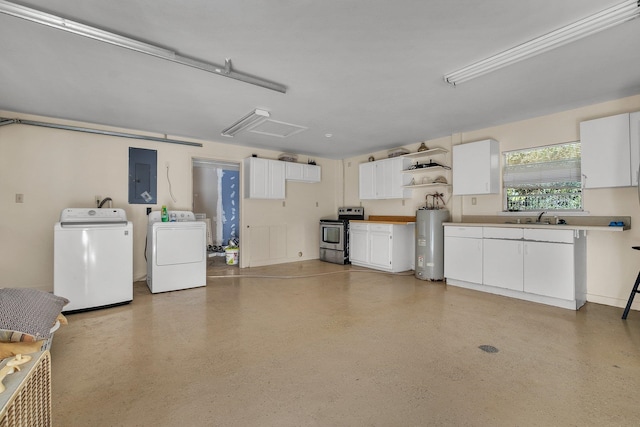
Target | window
(544,178)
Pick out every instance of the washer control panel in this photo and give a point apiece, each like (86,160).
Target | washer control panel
(174,216)
(88,215)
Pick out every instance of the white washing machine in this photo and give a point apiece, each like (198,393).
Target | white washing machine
(176,252)
(93,258)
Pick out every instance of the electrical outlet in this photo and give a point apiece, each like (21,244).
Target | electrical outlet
(98,200)
(474,201)
(19,198)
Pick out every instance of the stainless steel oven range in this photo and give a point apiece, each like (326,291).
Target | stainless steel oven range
(334,235)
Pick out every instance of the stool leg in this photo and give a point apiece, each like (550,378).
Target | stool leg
(633,294)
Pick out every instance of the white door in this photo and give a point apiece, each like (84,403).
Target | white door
(256,177)
(383,181)
(295,171)
(634,141)
(503,264)
(463,259)
(380,249)
(312,173)
(476,168)
(605,150)
(367,184)
(549,269)
(358,245)
(276,179)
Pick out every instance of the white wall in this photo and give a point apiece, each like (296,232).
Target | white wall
(612,265)
(56,169)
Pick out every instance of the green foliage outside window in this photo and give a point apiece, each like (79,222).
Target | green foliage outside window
(544,178)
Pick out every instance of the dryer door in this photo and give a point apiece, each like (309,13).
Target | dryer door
(182,244)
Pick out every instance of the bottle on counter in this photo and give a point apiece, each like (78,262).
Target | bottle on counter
(163,214)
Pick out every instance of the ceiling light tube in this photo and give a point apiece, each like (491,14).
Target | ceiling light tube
(74,27)
(595,23)
(252,119)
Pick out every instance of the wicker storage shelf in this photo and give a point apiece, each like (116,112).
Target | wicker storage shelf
(26,402)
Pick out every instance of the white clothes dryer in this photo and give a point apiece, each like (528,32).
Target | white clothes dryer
(176,252)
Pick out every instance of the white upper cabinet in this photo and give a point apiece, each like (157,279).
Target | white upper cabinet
(264,178)
(302,172)
(383,179)
(634,142)
(610,151)
(367,183)
(476,168)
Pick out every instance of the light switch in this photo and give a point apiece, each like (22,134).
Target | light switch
(19,198)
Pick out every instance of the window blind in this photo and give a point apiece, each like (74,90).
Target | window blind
(549,174)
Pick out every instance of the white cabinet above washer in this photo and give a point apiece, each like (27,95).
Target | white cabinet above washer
(264,178)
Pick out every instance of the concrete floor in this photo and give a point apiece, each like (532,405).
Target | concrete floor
(345,349)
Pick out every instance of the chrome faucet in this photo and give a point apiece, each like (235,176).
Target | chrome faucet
(540,216)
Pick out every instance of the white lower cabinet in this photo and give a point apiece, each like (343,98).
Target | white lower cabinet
(502,264)
(463,253)
(381,240)
(359,243)
(388,247)
(549,269)
(541,265)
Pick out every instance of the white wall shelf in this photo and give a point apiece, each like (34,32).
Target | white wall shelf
(426,153)
(430,184)
(422,170)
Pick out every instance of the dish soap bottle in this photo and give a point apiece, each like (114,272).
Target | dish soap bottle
(163,214)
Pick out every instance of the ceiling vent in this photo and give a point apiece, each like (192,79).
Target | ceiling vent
(276,128)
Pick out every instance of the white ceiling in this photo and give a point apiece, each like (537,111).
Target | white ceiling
(369,72)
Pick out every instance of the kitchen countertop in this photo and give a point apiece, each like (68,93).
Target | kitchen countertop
(589,223)
(388,219)
(369,221)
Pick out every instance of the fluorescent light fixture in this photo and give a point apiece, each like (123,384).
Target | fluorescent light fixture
(600,21)
(63,24)
(254,118)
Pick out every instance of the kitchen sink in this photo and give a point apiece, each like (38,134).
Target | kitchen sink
(531,223)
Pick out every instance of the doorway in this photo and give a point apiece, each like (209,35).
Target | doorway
(216,199)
